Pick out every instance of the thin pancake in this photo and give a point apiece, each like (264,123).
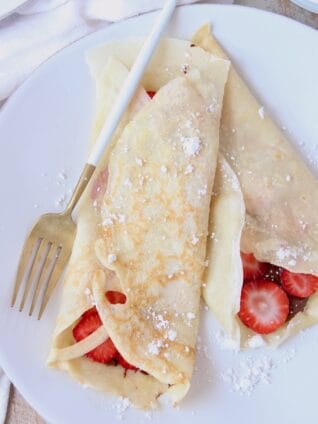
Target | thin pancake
(280,192)
(280,195)
(155,214)
(85,280)
(65,354)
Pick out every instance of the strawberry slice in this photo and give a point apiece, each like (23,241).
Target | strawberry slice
(264,306)
(112,297)
(299,285)
(252,268)
(124,363)
(115,297)
(93,310)
(104,353)
(151,93)
(90,322)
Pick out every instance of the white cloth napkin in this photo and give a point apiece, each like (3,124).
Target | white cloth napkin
(42,27)
(39,29)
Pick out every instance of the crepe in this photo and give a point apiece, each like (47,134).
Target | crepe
(77,295)
(146,235)
(280,195)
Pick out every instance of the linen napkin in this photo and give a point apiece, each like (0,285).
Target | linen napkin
(39,29)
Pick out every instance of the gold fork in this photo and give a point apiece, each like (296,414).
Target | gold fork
(47,250)
(49,245)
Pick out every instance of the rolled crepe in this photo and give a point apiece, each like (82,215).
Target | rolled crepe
(146,235)
(280,195)
(77,296)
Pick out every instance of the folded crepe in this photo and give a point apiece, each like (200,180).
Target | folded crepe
(142,226)
(281,198)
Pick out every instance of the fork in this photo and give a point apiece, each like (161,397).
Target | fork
(49,245)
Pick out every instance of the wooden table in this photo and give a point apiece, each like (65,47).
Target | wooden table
(19,411)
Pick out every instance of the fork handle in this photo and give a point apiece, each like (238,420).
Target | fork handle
(85,177)
(132,81)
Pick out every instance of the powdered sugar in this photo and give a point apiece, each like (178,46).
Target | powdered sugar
(249,374)
(108,221)
(195,240)
(255,341)
(284,253)
(291,262)
(127,182)
(191,145)
(213,106)
(154,347)
(225,342)
(171,335)
(139,161)
(121,406)
(189,169)
(161,322)
(112,258)
(112,217)
(61,201)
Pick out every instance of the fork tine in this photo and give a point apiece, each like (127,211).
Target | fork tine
(34,267)
(49,261)
(24,259)
(54,278)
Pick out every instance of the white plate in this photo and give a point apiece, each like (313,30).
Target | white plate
(44,130)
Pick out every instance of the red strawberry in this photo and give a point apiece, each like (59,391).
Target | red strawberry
(89,322)
(151,94)
(299,285)
(124,363)
(115,297)
(112,297)
(93,310)
(103,353)
(264,306)
(252,268)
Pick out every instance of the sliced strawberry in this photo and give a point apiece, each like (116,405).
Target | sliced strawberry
(103,353)
(115,297)
(252,268)
(112,297)
(124,363)
(151,93)
(90,322)
(264,306)
(93,310)
(299,285)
